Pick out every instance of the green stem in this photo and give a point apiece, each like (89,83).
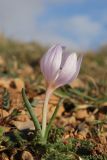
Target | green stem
(52,118)
(45,111)
(31,112)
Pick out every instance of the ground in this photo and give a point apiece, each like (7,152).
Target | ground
(80,128)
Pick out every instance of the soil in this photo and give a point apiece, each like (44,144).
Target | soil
(82,116)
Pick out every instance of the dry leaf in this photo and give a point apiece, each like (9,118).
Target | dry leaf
(27,156)
(23,125)
(81,114)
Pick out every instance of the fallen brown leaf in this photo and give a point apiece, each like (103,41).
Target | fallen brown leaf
(27,156)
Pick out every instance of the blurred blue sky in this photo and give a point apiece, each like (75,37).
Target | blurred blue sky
(78,24)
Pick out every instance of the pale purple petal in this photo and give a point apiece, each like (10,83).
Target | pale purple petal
(50,62)
(68,70)
(64,58)
(77,68)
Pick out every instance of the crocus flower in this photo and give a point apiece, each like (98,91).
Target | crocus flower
(58,67)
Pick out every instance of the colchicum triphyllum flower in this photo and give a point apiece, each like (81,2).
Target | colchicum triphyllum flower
(59,68)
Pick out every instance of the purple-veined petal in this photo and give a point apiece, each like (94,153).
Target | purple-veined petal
(68,70)
(77,68)
(50,62)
